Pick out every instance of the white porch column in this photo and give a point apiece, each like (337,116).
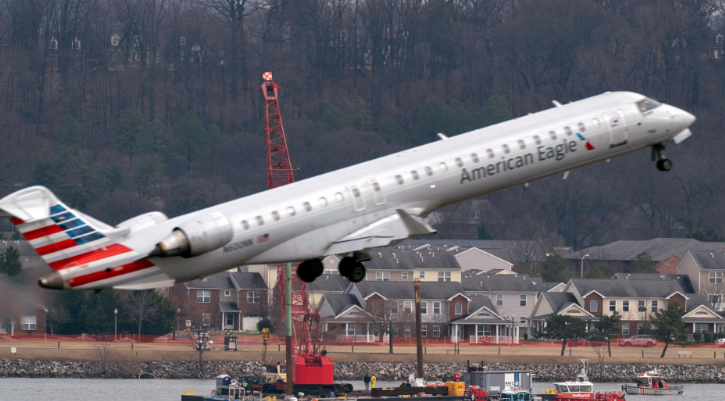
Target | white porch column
(224,321)
(496,334)
(368,333)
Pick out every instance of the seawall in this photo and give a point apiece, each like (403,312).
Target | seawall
(345,371)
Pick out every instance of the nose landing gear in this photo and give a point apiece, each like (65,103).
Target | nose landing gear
(663,163)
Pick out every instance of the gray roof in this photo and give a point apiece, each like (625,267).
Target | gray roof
(697,300)
(504,249)
(544,286)
(659,249)
(628,288)
(408,259)
(219,281)
(709,260)
(228,307)
(406,290)
(341,302)
(249,281)
(476,304)
(684,280)
(557,300)
(500,283)
(329,283)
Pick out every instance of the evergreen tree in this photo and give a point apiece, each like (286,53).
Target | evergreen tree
(10,263)
(357,113)
(563,327)
(390,130)
(131,137)
(326,114)
(601,270)
(113,178)
(68,136)
(606,329)
(642,263)
(157,135)
(556,269)
(190,138)
(668,325)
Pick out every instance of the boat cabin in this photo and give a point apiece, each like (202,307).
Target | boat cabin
(574,390)
(650,379)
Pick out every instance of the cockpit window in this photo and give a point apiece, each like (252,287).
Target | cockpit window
(647,104)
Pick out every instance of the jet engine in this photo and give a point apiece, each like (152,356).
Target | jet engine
(197,236)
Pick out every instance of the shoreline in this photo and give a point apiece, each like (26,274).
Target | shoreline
(346,371)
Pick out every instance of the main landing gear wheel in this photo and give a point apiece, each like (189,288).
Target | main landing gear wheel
(352,269)
(309,270)
(664,165)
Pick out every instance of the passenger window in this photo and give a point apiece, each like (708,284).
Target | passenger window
(245,224)
(474,157)
(506,149)
(459,162)
(522,144)
(339,197)
(307,206)
(323,202)
(428,171)
(552,134)
(291,211)
(399,179)
(581,127)
(595,122)
(568,131)
(537,139)
(443,167)
(275,215)
(260,220)
(414,174)
(490,153)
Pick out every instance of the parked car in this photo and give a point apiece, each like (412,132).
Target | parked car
(640,340)
(720,341)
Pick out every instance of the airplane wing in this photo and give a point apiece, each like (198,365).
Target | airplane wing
(383,232)
(81,250)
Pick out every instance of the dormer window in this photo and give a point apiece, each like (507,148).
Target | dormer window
(719,39)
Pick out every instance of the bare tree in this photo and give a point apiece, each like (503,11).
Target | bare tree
(140,308)
(55,317)
(394,316)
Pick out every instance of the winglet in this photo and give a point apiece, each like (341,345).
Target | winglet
(556,103)
(442,136)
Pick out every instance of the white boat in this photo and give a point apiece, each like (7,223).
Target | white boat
(651,383)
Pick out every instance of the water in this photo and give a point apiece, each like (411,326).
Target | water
(171,390)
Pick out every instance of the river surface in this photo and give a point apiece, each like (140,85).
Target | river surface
(171,390)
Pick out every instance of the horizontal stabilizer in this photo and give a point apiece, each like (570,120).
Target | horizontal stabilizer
(383,232)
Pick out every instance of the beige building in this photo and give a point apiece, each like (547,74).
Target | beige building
(705,270)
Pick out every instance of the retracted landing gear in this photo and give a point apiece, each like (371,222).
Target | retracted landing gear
(352,267)
(663,163)
(309,270)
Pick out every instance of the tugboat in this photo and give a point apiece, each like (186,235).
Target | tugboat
(651,383)
(581,389)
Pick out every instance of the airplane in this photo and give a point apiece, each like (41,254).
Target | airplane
(346,212)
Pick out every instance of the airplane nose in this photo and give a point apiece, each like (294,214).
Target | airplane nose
(52,281)
(689,118)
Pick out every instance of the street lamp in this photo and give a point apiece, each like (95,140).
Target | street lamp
(581,270)
(115,324)
(178,310)
(513,327)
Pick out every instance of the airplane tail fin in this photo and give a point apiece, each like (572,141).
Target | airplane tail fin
(57,232)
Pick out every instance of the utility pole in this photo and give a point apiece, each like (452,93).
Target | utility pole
(288,325)
(418,329)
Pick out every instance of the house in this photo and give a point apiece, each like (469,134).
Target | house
(701,317)
(619,254)
(705,271)
(561,303)
(28,322)
(514,296)
(486,254)
(327,284)
(226,301)
(393,264)
(682,279)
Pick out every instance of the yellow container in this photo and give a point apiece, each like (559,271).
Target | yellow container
(456,388)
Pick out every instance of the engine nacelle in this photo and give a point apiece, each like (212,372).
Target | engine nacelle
(144,221)
(197,236)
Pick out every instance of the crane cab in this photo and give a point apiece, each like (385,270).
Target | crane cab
(276,372)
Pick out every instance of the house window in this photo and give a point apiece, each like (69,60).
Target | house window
(227,293)
(444,276)
(406,331)
(522,300)
(404,275)
(701,327)
(655,306)
(612,305)
(436,308)
(252,297)
(715,298)
(206,319)
(275,215)
(474,157)
(641,306)
(230,319)
(424,308)
(490,153)
(399,179)
(414,174)
(436,331)
(625,305)
(394,307)
(459,308)
(421,274)
(354,329)
(203,297)
(499,299)
(29,321)
(625,329)
(715,277)
(593,305)
(459,162)
(424,330)
(640,328)
(408,306)
(428,171)
(483,330)
(376,308)
(382,276)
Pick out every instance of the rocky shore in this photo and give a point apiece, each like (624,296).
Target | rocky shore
(344,370)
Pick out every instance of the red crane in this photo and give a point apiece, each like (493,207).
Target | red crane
(310,371)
